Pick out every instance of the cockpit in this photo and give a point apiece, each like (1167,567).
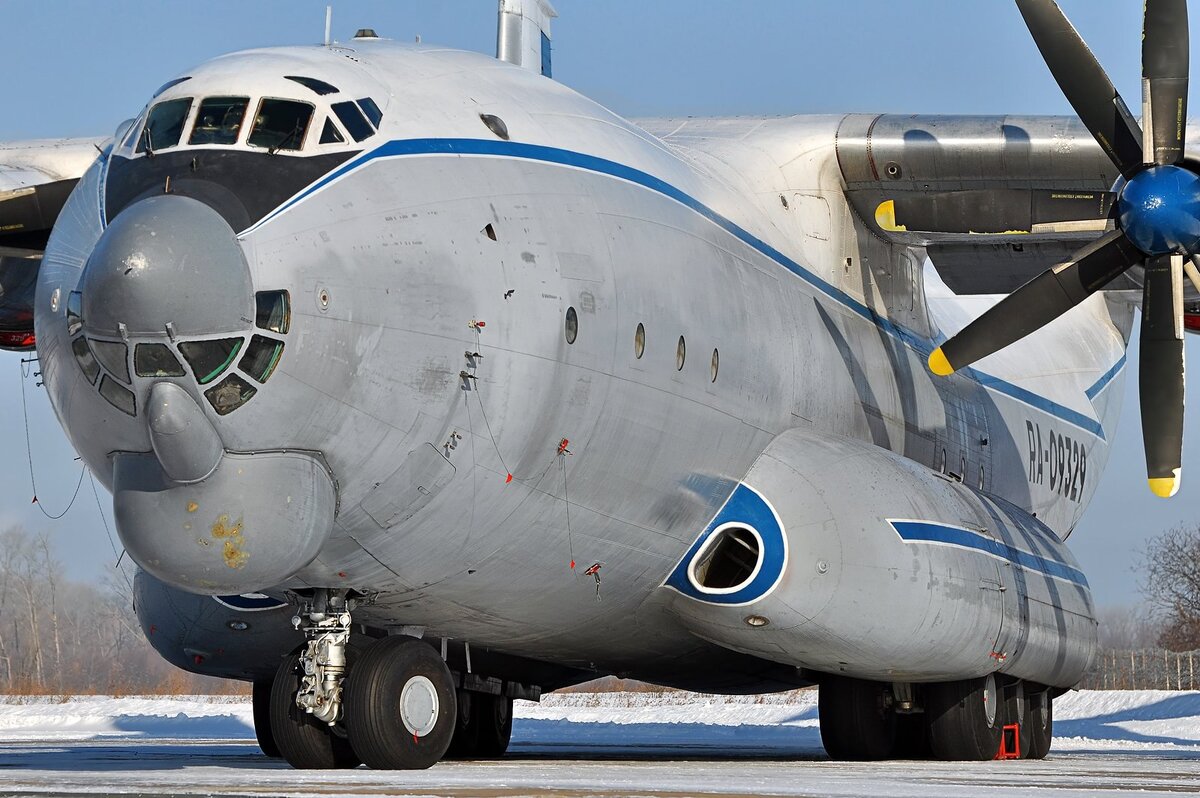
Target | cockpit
(271,123)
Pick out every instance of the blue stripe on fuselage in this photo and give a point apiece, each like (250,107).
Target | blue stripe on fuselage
(592,163)
(930,532)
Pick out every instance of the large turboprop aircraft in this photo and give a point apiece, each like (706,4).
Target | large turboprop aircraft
(423,383)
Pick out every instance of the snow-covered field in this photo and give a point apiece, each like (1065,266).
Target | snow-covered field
(665,744)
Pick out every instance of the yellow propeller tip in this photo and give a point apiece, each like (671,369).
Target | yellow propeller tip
(938,363)
(885,217)
(1165,487)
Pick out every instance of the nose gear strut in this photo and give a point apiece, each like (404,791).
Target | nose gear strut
(323,660)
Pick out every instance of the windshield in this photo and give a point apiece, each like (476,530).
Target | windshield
(280,125)
(219,120)
(164,125)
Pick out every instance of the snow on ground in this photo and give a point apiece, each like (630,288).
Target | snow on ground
(653,744)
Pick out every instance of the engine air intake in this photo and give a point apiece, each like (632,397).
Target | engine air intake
(729,560)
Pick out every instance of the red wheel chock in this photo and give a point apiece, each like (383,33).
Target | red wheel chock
(1010,742)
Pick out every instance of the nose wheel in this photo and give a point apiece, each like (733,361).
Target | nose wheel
(401,707)
(304,741)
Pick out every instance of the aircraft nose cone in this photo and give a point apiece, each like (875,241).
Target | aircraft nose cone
(167,260)
(1159,210)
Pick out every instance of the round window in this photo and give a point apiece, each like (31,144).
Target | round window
(639,341)
(572,325)
(716,364)
(680,354)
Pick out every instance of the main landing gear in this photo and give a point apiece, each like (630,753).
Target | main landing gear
(391,704)
(962,720)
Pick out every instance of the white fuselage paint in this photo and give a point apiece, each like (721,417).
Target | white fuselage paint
(817,325)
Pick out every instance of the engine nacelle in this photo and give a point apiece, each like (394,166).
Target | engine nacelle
(840,557)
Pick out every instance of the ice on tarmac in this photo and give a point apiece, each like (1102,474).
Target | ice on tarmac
(667,744)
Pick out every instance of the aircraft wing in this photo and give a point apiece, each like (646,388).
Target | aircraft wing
(36,177)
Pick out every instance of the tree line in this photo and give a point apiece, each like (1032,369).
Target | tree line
(62,636)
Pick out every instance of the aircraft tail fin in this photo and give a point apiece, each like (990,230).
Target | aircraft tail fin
(523,34)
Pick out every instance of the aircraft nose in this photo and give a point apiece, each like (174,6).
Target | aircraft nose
(167,264)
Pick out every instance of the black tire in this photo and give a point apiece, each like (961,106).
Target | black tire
(1039,711)
(386,676)
(305,742)
(494,719)
(855,723)
(966,719)
(261,703)
(465,742)
(1016,710)
(912,736)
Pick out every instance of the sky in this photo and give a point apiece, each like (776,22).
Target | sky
(78,68)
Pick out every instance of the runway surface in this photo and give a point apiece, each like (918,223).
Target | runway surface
(588,745)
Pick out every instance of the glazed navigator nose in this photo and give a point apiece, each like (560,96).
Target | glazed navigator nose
(167,264)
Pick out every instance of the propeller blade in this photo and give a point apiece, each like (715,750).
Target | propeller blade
(1164,80)
(997,212)
(1085,84)
(1161,379)
(1038,302)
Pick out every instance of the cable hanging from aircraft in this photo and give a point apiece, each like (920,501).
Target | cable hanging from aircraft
(29,453)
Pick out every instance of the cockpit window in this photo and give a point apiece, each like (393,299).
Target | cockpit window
(209,359)
(168,85)
(164,125)
(280,125)
(74,312)
(155,360)
(118,397)
(319,86)
(330,134)
(354,120)
(219,120)
(261,358)
(114,356)
(230,394)
(371,110)
(272,311)
(83,356)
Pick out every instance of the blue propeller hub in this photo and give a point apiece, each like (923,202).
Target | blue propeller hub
(1159,210)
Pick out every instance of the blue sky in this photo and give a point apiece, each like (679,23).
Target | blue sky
(78,67)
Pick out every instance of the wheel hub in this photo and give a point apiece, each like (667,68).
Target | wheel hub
(1159,210)
(419,705)
(989,700)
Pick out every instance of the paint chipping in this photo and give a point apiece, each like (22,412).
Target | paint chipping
(235,556)
(192,507)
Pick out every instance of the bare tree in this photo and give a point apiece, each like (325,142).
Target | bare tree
(1129,627)
(1171,581)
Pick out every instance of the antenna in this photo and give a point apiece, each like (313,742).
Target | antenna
(328,22)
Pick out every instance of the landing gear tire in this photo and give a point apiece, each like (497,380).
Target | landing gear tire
(912,736)
(400,705)
(494,719)
(305,742)
(261,703)
(1039,715)
(1016,710)
(856,724)
(465,742)
(966,719)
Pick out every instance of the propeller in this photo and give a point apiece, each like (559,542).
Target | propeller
(1157,221)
